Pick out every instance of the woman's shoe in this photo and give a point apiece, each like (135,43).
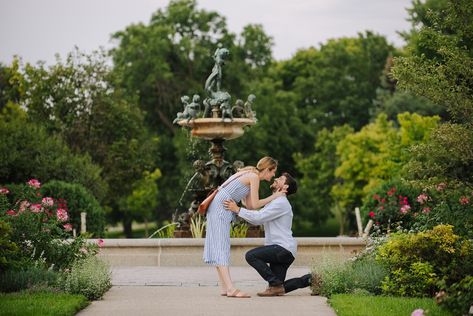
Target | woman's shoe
(236,293)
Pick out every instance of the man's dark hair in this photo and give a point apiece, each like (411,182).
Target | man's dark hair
(291,184)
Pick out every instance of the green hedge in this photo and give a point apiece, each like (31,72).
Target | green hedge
(78,200)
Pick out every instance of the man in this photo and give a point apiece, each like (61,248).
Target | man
(280,247)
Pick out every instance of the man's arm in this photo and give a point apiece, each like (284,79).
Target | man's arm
(270,212)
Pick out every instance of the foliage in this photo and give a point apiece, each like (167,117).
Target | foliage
(459,296)
(79,100)
(447,204)
(26,151)
(439,67)
(391,206)
(8,249)
(76,199)
(335,276)
(90,277)
(362,305)
(318,176)
(337,84)
(40,228)
(41,303)
(420,263)
(198,224)
(15,280)
(166,231)
(238,230)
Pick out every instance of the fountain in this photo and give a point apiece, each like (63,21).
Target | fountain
(217,122)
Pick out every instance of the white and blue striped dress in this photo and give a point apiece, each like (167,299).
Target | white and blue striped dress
(217,237)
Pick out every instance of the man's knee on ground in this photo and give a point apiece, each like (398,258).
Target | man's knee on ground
(250,257)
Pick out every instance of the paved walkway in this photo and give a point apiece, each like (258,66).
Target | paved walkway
(189,291)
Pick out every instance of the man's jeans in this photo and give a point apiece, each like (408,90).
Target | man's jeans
(279,260)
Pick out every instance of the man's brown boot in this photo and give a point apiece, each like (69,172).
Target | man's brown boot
(273,291)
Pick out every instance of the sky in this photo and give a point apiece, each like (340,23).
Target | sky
(38,29)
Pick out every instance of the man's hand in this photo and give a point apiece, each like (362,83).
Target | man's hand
(231,206)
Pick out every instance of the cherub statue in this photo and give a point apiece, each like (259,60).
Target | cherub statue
(226,108)
(247,107)
(190,110)
(238,164)
(193,109)
(238,109)
(202,181)
(182,115)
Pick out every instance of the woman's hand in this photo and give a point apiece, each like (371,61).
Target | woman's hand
(230,205)
(280,192)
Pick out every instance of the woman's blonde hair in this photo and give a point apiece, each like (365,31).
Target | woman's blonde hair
(264,163)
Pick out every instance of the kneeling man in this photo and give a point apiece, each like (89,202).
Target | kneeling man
(274,258)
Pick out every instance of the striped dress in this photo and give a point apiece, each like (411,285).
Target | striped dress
(217,236)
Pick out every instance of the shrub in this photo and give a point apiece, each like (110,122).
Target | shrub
(8,249)
(421,264)
(17,280)
(90,277)
(335,277)
(76,199)
(390,206)
(40,228)
(459,296)
(447,204)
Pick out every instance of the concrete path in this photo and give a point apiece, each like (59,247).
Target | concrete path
(192,291)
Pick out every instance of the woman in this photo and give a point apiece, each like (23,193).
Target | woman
(242,186)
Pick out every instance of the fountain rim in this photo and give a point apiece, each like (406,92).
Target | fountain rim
(216,128)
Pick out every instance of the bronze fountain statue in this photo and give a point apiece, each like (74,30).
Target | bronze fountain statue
(217,122)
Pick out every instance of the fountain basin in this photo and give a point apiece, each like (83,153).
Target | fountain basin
(215,128)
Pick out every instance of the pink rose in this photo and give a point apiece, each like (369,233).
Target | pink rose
(4,191)
(441,186)
(405,208)
(422,198)
(418,312)
(23,206)
(464,200)
(47,201)
(36,208)
(426,210)
(67,227)
(11,213)
(100,242)
(34,183)
(61,215)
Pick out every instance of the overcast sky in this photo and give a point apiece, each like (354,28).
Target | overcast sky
(38,29)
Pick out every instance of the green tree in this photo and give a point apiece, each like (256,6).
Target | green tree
(78,100)
(442,72)
(171,56)
(314,203)
(28,151)
(142,201)
(337,83)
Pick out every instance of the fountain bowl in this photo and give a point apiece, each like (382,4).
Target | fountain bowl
(216,128)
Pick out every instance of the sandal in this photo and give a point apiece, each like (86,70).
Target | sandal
(236,293)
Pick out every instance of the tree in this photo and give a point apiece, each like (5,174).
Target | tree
(78,100)
(315,203)
(337,84)
(170,57)
(142,202)
(28,151)
(442,72)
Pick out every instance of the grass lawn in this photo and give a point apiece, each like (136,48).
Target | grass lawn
(360,305)
(41,303)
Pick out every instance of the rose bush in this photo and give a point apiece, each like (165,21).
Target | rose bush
(40,228)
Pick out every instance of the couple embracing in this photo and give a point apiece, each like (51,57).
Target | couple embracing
(273,259)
